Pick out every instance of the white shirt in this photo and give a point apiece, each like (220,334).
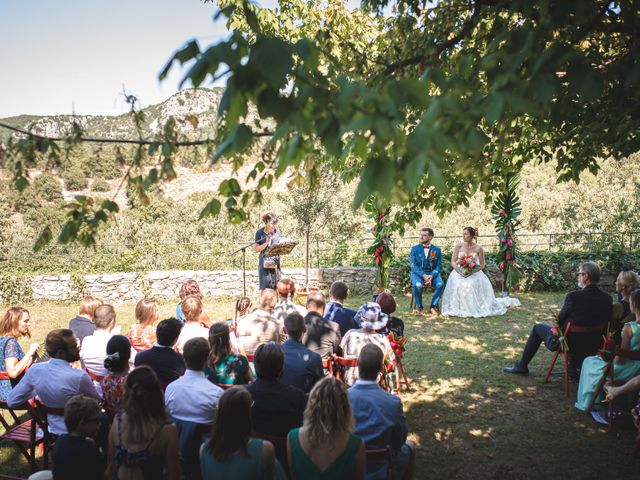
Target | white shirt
(189,331)
(94,351)
(426,250)
(54,382)
(193,398)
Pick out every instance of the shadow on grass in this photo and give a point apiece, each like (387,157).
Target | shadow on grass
(473,421)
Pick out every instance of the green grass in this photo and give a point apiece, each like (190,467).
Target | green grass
(469,419)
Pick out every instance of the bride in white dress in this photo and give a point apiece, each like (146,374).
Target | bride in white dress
(470,294)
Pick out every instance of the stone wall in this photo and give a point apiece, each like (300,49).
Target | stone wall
(131,287)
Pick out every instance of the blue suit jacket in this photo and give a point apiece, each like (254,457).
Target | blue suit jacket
(379,419)
(302,367)
(343,316)
(421,266)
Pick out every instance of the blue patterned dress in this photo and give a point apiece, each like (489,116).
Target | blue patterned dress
(9,348)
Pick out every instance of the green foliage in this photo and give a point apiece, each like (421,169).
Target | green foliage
(381,249)
(78,287)
(74,178)
(505,210)
(47,187)
(100,185)
(15,290)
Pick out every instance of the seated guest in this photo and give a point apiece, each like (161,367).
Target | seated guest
(14,326)
(188,289)
(142,442)
(192,308)
(302,367)
(232,452)
(379,418)
(55,381)
(626,283)
(75,454)
(371,319)
(388,306)
(243,307)
(193,398)
(325,447)
(162,358)
(322,336)
(337,312)
(260,326)
(142,334)
(225,367)
(82,325)
(117,366)
(286,290)
(94,347)
(623,369)
(277,408)
(584,307)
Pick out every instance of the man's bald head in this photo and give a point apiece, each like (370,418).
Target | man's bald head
(316,302)
(370,362)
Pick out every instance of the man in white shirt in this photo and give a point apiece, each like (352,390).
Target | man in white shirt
(55,381)
(193,398)
(94,347)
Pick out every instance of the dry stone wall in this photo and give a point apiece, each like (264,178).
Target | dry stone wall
(131,286)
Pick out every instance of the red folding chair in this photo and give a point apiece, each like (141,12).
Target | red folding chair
(27,435)
(341,362)
(327,364)
(573,331)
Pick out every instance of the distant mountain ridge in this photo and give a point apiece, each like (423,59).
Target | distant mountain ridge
(201,103)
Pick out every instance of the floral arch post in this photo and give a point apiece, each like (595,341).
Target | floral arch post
(505,210)
(381,249)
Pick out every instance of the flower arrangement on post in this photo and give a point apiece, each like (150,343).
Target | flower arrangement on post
(505,210)
(381,249)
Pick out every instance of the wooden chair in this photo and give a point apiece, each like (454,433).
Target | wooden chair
(227,386)
(49,439)
(379,455)
(609,375)
(573,331)
(27,435)
(340,363)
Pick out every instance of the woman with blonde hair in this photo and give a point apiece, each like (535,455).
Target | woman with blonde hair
(192,308)
(325,447)
(626,282)
(142,334)
(188,289)
(15,324)
(143,444)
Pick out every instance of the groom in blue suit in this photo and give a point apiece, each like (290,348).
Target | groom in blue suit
(426,265)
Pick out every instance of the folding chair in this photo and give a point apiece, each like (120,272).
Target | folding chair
(379,455)
(327,364)
(49,439)
(573,331)
(340,363)
(27,435)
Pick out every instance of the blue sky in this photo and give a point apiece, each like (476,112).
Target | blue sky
(61,56)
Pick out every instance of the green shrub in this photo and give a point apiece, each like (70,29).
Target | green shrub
(100,185)
(74,178)
(47,187)
(15,290)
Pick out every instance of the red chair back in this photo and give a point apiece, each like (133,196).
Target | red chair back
(340,362)
(93,376)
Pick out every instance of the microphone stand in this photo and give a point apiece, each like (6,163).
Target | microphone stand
(244,269)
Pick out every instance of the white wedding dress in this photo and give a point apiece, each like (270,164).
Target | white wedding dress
(472,296)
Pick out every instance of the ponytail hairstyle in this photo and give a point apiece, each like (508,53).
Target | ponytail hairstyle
(118,354)
(243,304)
(269,217)
(473,232)
(143,405)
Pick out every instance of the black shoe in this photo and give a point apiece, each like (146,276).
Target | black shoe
(516,370)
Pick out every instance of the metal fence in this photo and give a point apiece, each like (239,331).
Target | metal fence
(216,255)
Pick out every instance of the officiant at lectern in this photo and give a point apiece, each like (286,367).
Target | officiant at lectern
(268,267)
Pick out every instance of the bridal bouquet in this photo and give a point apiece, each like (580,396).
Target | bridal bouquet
(467,264)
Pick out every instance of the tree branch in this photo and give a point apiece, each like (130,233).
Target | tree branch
(464,31)
(191,143)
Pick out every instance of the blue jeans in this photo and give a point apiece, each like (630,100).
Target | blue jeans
(418,285)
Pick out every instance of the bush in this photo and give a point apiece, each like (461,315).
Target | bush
(74,178)
(100,185)
(47,187)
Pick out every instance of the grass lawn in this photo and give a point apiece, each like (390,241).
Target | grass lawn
(470,420)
